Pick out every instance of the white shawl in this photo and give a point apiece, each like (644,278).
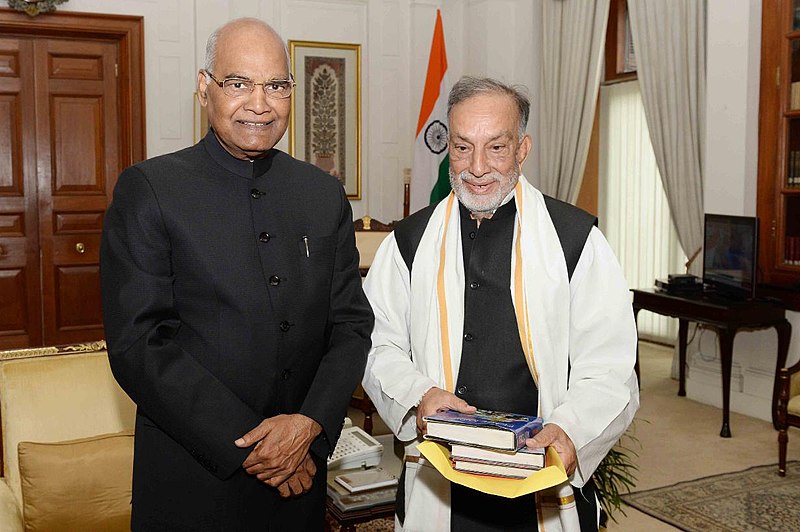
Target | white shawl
(586,324)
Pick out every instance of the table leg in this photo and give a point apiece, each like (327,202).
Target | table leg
(683,333)
(784,329)
(636,326)
(726,354)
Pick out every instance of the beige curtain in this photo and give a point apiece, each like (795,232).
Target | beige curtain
(632,207)
(669,41)
(573,38)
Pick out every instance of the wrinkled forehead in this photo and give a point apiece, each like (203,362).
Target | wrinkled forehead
(486,116)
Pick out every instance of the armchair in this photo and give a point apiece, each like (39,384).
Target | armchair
(66,430)
(787,410)
(369,235)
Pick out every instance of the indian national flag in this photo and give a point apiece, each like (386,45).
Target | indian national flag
(429,178)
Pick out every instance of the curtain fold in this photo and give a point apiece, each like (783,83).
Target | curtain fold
(669,39)
(633,209)
(573,39)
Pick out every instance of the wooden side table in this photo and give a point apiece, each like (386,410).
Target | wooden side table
(726,317)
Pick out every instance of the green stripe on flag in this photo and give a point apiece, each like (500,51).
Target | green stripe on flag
(442,187)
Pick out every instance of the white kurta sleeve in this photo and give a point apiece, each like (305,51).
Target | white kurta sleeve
(392,380)
(603,393)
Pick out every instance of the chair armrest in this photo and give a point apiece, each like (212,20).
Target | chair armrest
(10,511)
(789,382)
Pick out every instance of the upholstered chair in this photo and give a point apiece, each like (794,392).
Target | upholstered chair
(788,410)
(67,441)
(369,236)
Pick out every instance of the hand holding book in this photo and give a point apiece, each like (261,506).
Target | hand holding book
(438,400)
(554,436)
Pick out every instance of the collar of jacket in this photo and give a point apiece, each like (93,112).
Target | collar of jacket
(248,169)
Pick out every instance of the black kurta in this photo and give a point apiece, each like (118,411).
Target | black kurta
(493,373)
(231,293)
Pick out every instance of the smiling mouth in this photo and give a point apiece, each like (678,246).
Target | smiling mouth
(255,124)
(480,187)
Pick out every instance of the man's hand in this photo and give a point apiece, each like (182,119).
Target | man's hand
(553,435)
(436,400)
(300,482)
(281,445)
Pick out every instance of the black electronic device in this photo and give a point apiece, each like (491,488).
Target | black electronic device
(682,278)
(730,251)
(683,287)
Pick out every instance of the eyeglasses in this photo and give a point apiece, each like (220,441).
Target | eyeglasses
(241,87)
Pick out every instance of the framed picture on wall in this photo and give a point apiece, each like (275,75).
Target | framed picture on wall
(325,122)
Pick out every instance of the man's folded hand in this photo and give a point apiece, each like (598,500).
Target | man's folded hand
(300,482)
(281,445)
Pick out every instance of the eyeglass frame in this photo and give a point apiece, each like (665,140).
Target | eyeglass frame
(263,84)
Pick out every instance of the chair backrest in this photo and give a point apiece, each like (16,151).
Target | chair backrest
(54,394)
(369,235)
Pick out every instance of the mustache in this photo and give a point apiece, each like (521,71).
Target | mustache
(466,175)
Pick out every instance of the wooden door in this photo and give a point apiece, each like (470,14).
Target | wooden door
(77,145)
(71,118)
(62,157)
(20,296)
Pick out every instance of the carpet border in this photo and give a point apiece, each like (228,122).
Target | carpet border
(676,484)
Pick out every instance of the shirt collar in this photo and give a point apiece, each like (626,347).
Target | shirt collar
(241,167)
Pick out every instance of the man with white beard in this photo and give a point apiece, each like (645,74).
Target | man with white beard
(500,298)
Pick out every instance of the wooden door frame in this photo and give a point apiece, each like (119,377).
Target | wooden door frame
(128,32)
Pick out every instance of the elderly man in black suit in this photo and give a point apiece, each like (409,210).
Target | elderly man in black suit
(233,308)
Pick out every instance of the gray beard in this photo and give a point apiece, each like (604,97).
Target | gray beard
(481,204)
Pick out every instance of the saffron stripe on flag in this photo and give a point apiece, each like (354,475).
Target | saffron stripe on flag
(429,178)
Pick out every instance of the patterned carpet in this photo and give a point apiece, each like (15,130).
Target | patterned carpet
(376,525)
(756,499)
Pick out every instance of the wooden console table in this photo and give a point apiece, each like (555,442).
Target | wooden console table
(726,318)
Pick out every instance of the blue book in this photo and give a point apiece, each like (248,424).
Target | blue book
(484,428)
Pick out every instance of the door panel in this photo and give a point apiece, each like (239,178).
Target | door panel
(71,117)
(78,133)
(20,298)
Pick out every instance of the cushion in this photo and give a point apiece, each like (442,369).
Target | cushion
(794,406)
(78,484)
(58,398)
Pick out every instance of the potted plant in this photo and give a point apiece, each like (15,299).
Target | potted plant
(614,477)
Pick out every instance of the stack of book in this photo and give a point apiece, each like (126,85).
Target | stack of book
(488,442)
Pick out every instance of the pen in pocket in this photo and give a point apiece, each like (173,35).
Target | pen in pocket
(305,241)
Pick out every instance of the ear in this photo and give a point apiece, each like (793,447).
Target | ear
(202,87)
(523,150)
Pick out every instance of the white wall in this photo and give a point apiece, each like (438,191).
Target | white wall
(482,37)
(169,35)
(733,73)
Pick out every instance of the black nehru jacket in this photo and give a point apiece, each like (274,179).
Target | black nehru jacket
(493,373)
(231,294)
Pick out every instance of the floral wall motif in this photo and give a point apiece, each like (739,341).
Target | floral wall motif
(325,124)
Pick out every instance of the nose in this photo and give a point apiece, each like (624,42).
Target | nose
(478,164)
(257,101)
